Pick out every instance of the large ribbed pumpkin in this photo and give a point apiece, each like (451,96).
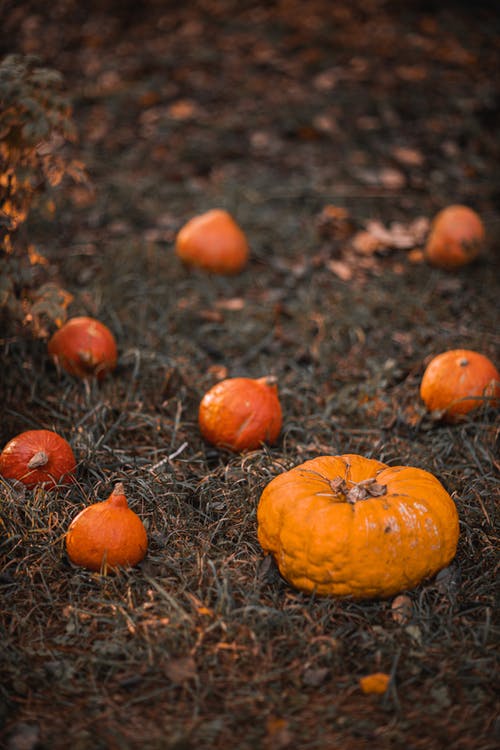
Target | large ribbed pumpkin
(350,526)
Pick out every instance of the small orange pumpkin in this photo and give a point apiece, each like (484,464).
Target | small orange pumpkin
(107,535)
(38,457)
(353,527)
(456,237)
(459,380)
(213,241)
(84,347)
(241,413)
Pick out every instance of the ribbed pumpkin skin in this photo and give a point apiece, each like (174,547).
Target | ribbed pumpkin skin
(106,535)
(50,454)
(213,241)
(459,381)
(456,237)
(241,413)
(84,347)
(372,548)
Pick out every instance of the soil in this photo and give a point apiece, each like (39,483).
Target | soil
(333,133)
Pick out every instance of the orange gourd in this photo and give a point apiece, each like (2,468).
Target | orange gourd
(456,237)
(241,413)
(213,241)
(84,347)
(458,381)
(353,527)
(107,535)
(38,457)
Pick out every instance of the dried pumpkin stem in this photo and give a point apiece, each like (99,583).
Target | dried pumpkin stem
(38,459)
(355,491)
(268,380)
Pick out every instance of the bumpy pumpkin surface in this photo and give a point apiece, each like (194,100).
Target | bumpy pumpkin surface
(241,413)
(84,347)
(458,381)
(106,535)
(213,241)
(456,237)
(38,457)
(354,527)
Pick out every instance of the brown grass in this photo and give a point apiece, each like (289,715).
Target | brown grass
(204,645)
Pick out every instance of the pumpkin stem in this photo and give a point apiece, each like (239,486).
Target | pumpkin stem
(38,459)
(87,361)
(117,497)
(268,380)
(354,491)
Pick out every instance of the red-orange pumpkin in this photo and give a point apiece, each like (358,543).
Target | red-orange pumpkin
(213,241)
(84,347)
(38,457)
(458,381)
(107,535)
(241,413)
(456,237)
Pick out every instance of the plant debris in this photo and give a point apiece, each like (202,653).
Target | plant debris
(309,123)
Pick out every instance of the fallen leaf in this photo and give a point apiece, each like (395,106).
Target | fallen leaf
(182,109)
(181,670)
(340,269)
(278,733)
(408,156)
(234,303)
(219,372)
(402,609)
(365,243)
(392,178)
(374,684)
(314,677)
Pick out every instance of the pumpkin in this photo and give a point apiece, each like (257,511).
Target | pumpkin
(106,535)
(241,413)
(84,347)
(456,237)
(38,457)
(213,241)
(353,527)
(458,381)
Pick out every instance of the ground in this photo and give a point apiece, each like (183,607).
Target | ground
(312,123)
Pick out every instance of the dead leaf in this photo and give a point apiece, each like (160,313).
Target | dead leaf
(212,316)
(340,269)
(314,677)
(365,243)
(408,156)
(402,609)
(278,733)
(233,303)
(181,670)
(182,109)
(219,372)
(53,301)
(391,178)
(374,684)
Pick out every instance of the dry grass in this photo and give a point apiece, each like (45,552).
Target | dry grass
(203,645)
